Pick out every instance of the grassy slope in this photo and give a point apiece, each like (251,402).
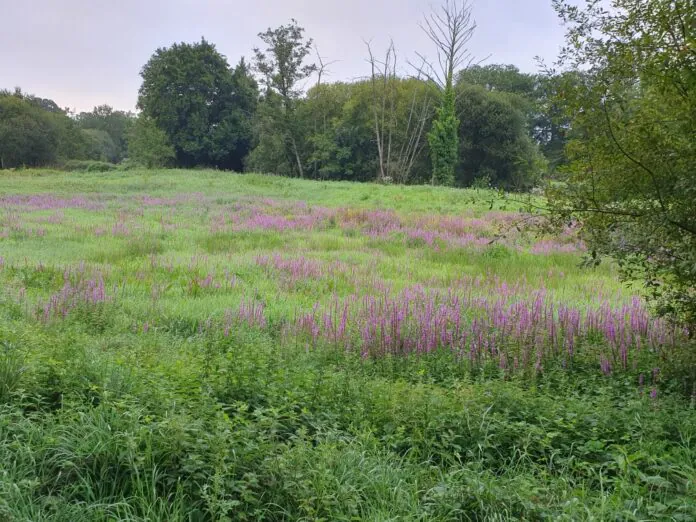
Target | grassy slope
(133,409)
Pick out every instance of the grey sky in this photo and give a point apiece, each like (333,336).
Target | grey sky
(83,53)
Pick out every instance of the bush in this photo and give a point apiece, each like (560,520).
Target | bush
(88,166)
(129,164)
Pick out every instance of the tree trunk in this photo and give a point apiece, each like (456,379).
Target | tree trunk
(297,156)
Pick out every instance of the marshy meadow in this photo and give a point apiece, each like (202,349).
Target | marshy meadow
(404,263)
(179,347)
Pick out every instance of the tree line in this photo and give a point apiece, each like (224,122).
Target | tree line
(467,124)
(36,132)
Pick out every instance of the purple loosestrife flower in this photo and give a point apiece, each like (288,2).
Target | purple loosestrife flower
(48,202)
(507,323)
(120,229)
(655,375)
(89,292)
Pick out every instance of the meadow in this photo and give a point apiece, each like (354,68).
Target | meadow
(199,345)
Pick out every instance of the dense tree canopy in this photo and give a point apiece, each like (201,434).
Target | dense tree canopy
(148,145)
(100,146)
(479,124)
(535,95)
(107,130)
(26,134)
(501,78)
(341,139)
(35,132)
(204,108)
(496,148)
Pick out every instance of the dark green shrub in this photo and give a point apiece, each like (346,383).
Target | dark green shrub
(88,166)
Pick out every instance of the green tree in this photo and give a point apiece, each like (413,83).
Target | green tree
(46,104)
(501,78)
(631,182)
(204,108)
(100,146)
(233,139)
(26,135)
(329,153)
(496,148)
(520,89)
(282,69)
(148,145)
(343,145)
(550,123)
(533,94)
(35,132)
(104,119)
(443,139)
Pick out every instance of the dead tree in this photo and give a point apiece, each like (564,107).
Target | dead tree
(450,29)
(323,67)
(396,155)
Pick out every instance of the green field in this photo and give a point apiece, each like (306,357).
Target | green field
(198,345)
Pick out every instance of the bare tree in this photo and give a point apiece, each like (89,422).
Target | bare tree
(413,145)
(396,151)
(450,28)
(380,74)
(323,68)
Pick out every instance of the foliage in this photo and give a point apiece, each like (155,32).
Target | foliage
(128,393)
(340,145)
(88,166)
(34,132)
(26,136)
(551,124)
(535,95)
(273,151)
(335,134)
(495,145)
(108,131)
(631,181)
(337,141)
(281,64)
(342,139)
(500,78)
(100,146)
(282,68)
(149,145)
(204,108)
(443,139)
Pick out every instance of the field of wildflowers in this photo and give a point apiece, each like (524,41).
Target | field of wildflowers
(196,345)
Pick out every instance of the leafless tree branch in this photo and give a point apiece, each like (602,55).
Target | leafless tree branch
(450,28)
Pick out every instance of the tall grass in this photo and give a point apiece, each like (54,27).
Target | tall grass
(205,346)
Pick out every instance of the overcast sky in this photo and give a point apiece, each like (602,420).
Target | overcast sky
(83,53)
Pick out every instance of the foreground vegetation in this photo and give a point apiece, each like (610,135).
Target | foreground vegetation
(208,346)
